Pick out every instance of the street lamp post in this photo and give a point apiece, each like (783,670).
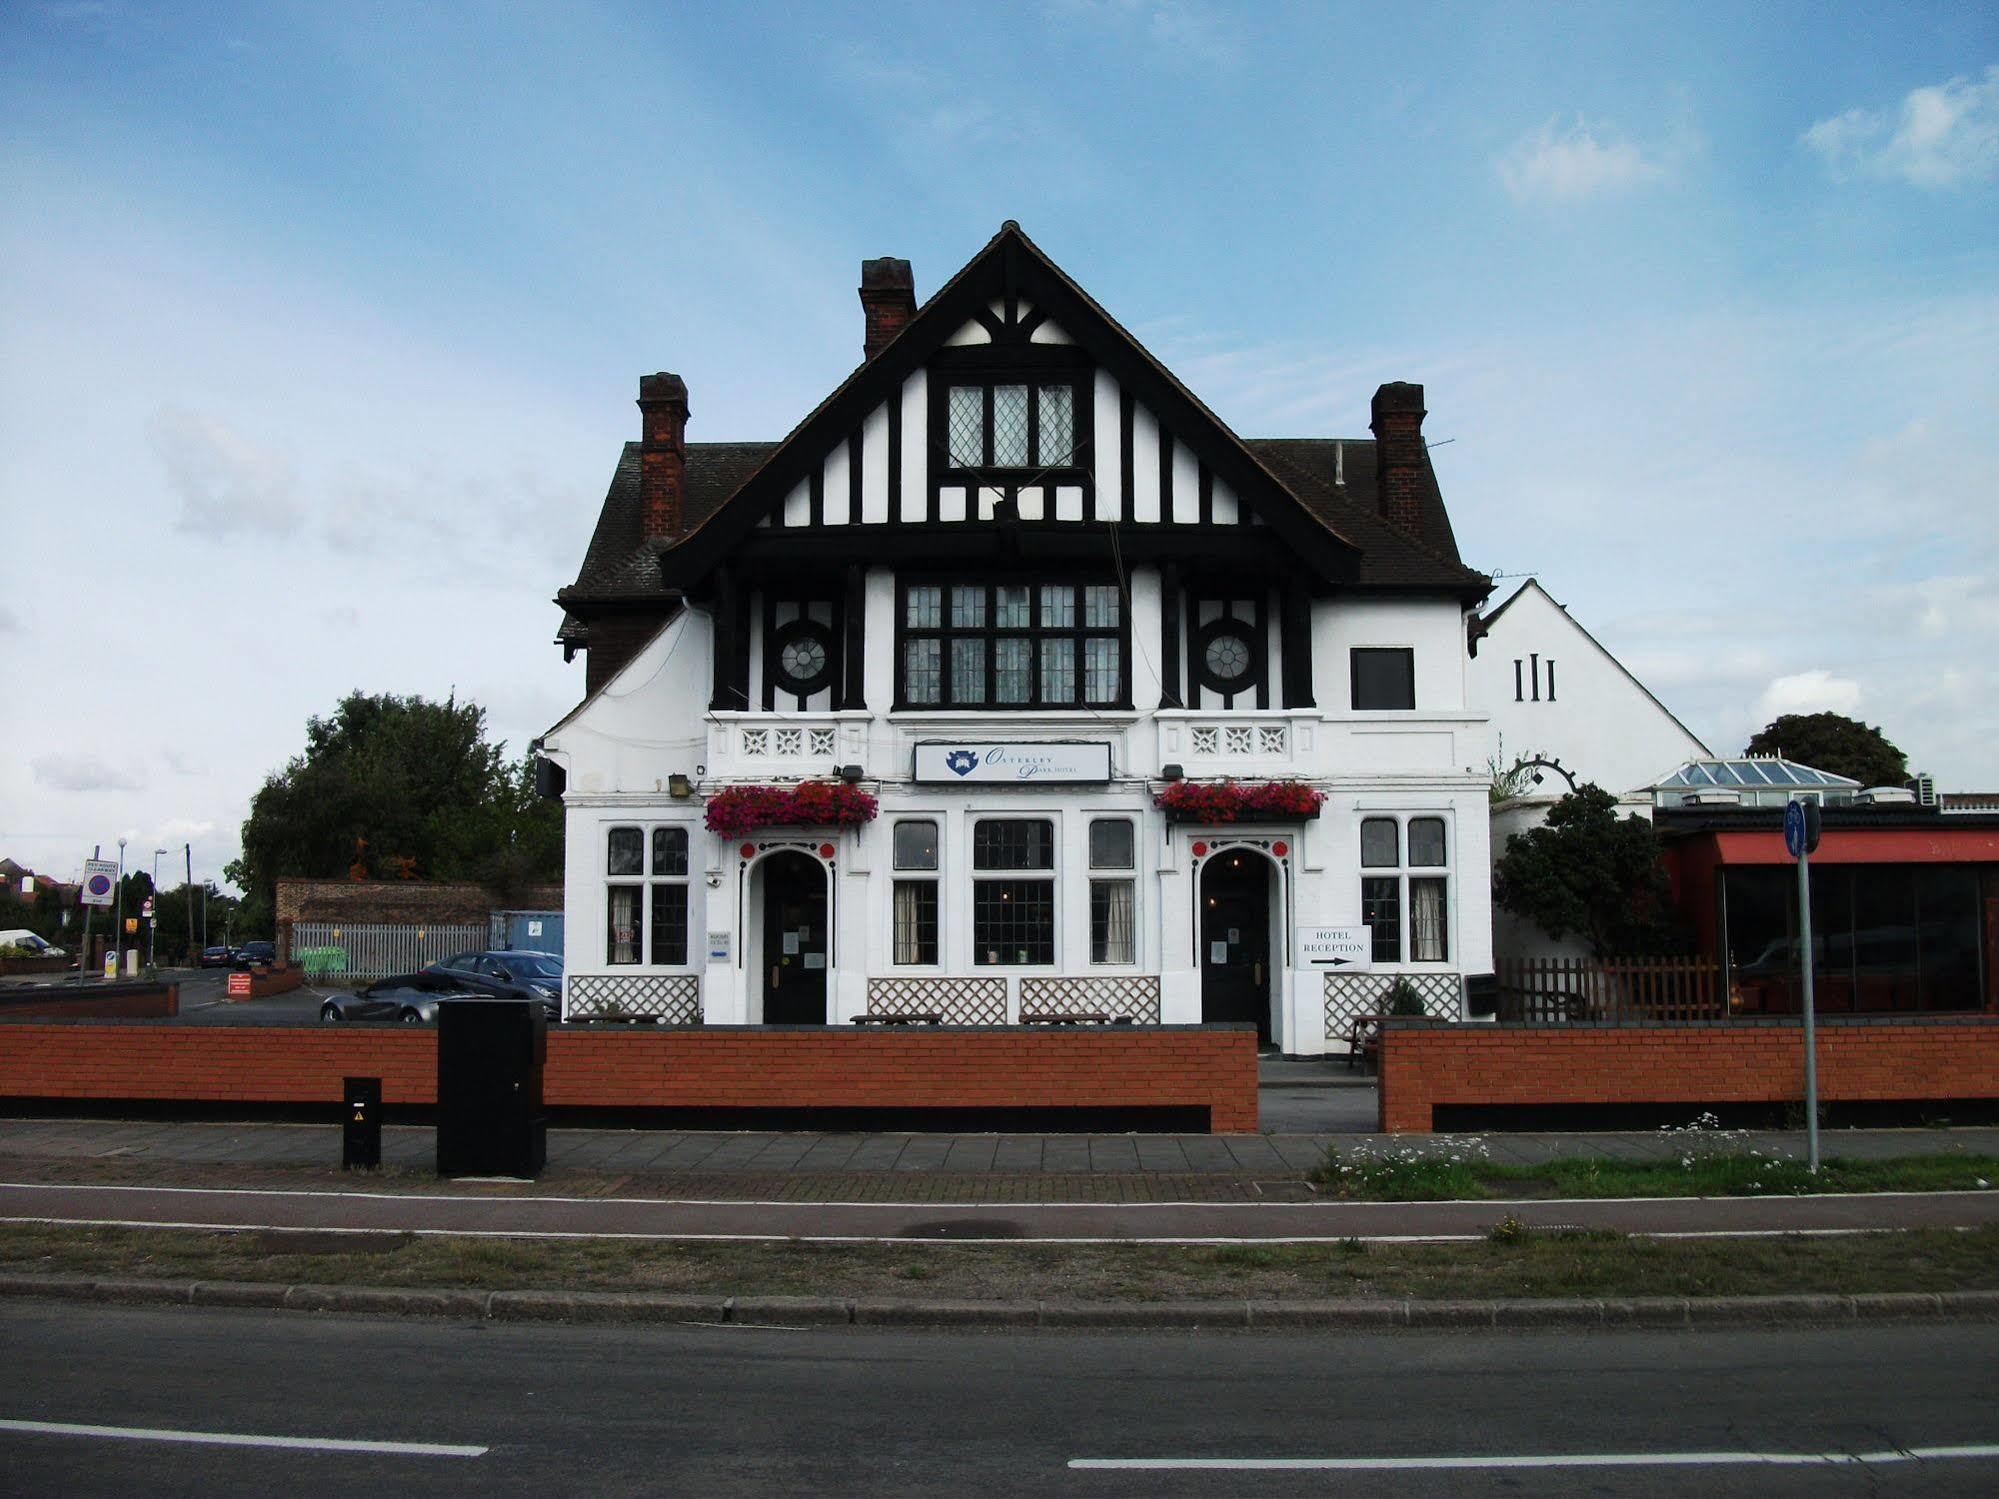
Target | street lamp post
(118,917)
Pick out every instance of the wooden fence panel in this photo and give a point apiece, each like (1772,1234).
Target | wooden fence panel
(1570,991)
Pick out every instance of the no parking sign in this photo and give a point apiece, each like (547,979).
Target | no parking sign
(100,881)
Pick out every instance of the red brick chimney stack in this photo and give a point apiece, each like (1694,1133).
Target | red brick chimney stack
(663,456)
(1399,460)
(888,297)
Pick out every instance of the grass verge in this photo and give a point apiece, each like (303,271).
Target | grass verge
(1529,1264)
(1386,1175)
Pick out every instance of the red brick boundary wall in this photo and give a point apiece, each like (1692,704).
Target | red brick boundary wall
(95,1001)
(748,1067)
(1892,1058)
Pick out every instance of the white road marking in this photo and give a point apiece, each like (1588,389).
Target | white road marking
(237,1439)
(1551,1460)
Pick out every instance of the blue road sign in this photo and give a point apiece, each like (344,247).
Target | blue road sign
(1801,828)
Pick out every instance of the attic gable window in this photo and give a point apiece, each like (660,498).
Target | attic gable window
(1011,424)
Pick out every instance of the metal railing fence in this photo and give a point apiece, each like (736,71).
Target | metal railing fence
(338,949)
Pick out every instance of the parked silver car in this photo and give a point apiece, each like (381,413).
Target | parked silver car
(411,998)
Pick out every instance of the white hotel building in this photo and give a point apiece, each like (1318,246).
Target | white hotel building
(1012,582)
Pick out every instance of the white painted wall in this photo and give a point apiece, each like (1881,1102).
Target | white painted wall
(1601,723)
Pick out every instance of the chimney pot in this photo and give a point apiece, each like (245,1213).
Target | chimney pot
(662,456)
(888,299)
(1401,459)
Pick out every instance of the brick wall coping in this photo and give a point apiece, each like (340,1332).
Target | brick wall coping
(1745,1022)
(613,1028)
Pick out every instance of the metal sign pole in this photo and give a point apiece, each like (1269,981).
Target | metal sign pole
(1801,836)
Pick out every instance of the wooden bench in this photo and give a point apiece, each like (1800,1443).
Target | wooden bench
(925,1018)
(1078,1017)
(1364,1041)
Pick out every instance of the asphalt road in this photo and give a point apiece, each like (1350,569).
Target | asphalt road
(738,1411)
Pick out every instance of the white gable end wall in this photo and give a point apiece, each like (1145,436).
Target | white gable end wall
(1570,700)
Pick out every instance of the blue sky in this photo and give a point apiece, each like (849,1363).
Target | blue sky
(320,325)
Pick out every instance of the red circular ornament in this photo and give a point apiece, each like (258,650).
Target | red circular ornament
(825,850)
(1280,849)
(749,850)
(1200,849)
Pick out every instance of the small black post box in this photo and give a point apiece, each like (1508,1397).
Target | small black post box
(489,1062)
(361,1124)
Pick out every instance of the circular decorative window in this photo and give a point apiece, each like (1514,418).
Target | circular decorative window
(1227,657)
(804,656)
(1228,660)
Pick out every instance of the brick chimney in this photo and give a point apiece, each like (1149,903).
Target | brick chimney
(662,456)
(888,297)
(1396,419)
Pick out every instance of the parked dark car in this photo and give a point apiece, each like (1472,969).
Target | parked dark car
(251,953)
(411,998)
(508,974)
(218,957)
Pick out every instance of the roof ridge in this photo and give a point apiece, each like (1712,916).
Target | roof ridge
(1420,543)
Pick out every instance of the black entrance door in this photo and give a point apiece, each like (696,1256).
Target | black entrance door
(1235,940)
(794,947)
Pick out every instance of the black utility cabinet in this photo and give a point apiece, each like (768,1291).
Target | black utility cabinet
(361,1124)
(489,1112)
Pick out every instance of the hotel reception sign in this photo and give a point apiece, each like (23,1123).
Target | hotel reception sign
(1012,764)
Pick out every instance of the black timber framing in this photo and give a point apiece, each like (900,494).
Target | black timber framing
(1011,266)
(1170,686)
(1297,637)
(853,616)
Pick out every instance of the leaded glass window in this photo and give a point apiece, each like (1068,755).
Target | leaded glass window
(967,416)
(1009,426)
(1058,426)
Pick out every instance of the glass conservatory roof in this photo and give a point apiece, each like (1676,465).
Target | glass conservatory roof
(1755,772)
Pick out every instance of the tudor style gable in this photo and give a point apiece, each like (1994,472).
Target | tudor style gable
(982,497)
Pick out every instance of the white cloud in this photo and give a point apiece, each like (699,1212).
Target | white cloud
(1944,135)
(1183,33)
(84,772)
(10,622)
(226,484)
(1585,160)
(1815,691)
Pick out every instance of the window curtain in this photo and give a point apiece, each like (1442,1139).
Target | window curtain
(624,924)
(908,921)
(1118,944)
(1426,922)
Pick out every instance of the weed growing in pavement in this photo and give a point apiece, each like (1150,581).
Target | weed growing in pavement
(1508,1230)
(1405,1173)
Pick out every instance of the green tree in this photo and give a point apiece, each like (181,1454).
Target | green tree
(1588,871)
(1833,742)
(395,788)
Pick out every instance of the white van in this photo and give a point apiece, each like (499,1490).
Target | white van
(22,937)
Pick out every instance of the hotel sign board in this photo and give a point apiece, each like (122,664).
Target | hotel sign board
(1349,949)
(948,762)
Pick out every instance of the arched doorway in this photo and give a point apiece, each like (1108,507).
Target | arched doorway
(791,900)
(1236,903)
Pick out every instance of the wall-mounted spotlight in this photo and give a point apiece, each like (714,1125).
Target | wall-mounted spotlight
(851,774)
(1174,772)
(679,787)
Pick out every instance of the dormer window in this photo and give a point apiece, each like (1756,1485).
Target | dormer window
(1025,424)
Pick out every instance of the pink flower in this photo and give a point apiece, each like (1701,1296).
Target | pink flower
(735,810)
(1214,802)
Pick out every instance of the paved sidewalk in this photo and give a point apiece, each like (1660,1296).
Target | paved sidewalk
(1105,1159)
